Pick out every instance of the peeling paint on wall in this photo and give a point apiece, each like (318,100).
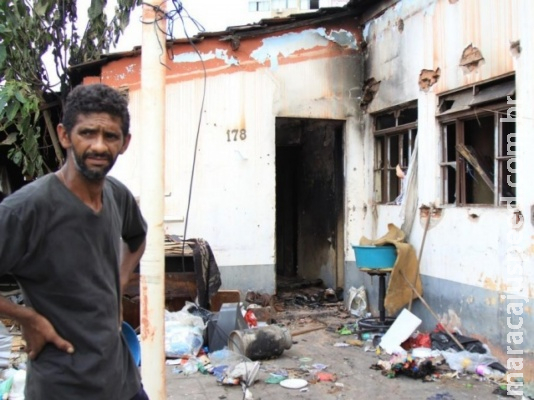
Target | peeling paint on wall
(471,58)
(219,54)
(289,43)
(342,37)
(451,320)
(428,77)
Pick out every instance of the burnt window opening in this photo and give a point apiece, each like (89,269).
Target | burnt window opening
(478,145)
(394,141)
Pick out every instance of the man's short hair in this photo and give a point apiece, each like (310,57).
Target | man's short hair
(95,98)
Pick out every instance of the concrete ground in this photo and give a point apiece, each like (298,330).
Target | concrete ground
(351,366)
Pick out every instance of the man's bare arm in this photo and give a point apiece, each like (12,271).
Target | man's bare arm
(36,329)
(129,261)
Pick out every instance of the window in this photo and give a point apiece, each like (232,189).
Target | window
(254,6)
(394,134)
(478,144)
(309,4)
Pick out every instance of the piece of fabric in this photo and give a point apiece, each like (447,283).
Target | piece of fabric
(399,293)
(66,259)
(206,270)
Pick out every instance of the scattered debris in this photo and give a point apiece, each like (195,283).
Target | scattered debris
(261,299)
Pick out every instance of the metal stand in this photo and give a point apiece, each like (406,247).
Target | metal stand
(380,323)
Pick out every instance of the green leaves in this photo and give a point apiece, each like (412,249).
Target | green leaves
(11,139)
(29,29)
(19,110)
(3,54)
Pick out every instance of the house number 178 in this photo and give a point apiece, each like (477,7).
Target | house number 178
(234,134)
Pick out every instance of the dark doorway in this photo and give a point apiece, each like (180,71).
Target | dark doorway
(309,200)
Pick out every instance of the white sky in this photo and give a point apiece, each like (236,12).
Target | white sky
(213,15)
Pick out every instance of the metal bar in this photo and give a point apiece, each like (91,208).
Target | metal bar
(152,284)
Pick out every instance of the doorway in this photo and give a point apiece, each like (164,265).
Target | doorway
(309,200)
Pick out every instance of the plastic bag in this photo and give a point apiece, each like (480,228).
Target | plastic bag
(357,301)
(226,357)
(465,361)
(184,334)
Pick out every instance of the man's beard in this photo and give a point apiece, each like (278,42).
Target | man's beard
(93,174)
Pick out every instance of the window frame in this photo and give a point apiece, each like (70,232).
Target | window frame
(382,168)
(496,109)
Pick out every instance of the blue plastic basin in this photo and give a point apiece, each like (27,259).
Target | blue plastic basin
(375,257)
(133,342)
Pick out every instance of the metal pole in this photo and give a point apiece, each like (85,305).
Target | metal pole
(152,278)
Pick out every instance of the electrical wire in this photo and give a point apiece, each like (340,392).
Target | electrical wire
(171,16)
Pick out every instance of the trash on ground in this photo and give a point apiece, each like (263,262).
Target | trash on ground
(184,333)
(356,301)
(405,324)
(322,376)
(260,343)
(276,379)
(246,372)
(294,383)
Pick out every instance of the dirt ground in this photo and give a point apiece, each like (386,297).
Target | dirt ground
(316,340)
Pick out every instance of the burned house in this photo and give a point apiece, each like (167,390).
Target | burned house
(302,128)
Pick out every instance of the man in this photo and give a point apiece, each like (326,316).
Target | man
(60,237)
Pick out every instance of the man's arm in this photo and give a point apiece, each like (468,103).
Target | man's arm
(36,329)
(130,260)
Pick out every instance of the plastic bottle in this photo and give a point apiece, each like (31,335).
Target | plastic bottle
(487,372)
(484,370)
(371,335)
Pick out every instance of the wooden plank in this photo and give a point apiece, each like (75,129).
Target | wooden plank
(177,284)
(177,247)
(471,159)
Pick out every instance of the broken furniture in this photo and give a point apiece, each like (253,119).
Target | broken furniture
(191,274)
(376,261)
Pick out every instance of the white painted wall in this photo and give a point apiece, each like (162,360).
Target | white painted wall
(233,198)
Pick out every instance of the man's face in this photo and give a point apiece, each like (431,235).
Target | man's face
(95,143)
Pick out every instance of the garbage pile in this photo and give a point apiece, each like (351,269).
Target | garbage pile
(227,344)
(404,351)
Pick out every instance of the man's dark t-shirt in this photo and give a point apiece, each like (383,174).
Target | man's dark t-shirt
(66,258)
